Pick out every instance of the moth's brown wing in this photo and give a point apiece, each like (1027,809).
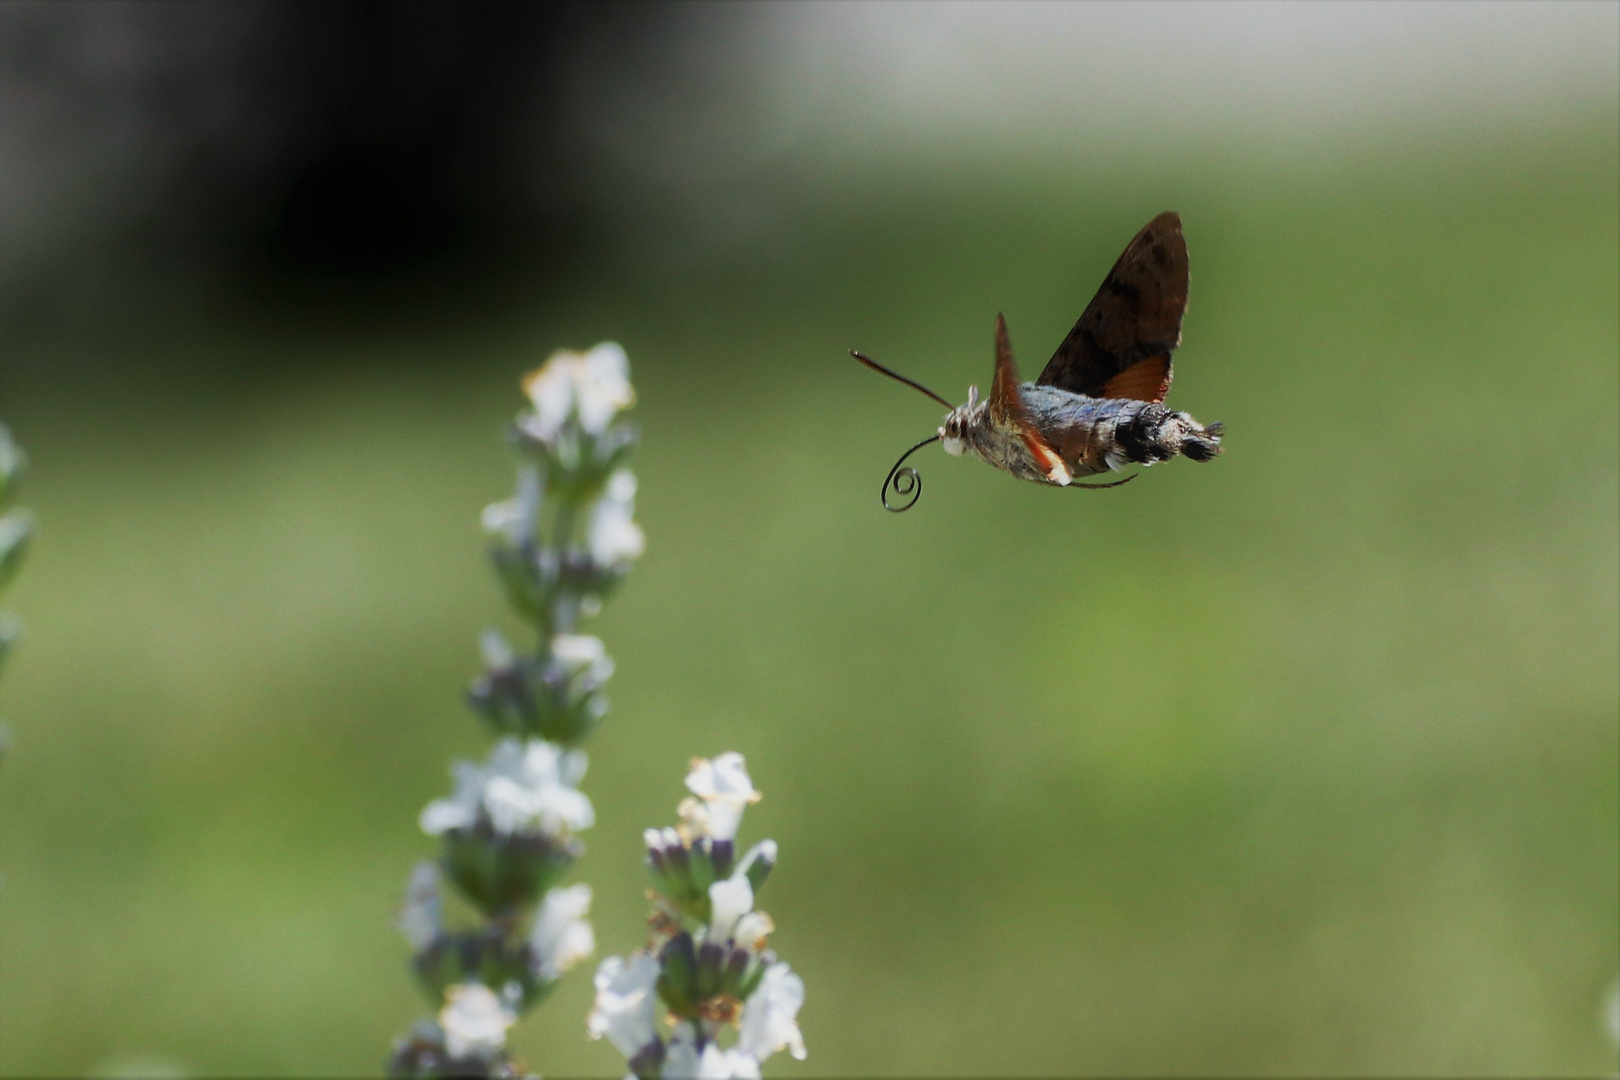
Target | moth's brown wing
(1006,403)
(1007,410)
(1121,345)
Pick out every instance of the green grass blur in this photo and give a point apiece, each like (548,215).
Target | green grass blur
(1304,761)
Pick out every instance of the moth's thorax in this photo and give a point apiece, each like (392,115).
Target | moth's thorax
(972,428)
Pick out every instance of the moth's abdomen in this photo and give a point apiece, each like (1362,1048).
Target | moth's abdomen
(1155,434)
(1094,435)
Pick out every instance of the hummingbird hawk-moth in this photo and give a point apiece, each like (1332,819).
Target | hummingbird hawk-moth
(1098,405)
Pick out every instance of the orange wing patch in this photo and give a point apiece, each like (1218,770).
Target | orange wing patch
(1049,461)
(1145,380)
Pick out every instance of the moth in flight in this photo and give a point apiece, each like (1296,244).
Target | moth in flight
(1099,402)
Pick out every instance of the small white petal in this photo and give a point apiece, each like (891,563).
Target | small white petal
(504,520)
(571,768)
(496,651)
(724,819)
(509,804)
(603,386)
(752,930)
(578,650)
(613,537)
(626,1003)
(561,936)
(442,815)
(740,1065)
(729,900)
(695,819)
(770,1016)
(681,1061)
(460,809)
(421,920)
(475,1020)
(551,392)
(725,779)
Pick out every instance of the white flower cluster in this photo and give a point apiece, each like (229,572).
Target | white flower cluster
(593,386)
(560,936)
(524,787)
(765,1007)
(626,1013)
(560,546)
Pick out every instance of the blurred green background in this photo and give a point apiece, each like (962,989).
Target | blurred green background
(1301,762)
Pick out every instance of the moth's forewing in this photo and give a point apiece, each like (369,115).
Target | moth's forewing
(1135,317)
(1008,415)
(1006,406)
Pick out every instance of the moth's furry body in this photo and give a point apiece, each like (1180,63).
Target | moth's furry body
(1090,435)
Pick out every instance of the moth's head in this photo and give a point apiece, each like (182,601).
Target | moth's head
(952,433)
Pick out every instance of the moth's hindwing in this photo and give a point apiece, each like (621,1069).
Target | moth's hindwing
(1145,380)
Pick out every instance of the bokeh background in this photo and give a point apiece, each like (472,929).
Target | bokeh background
(1304,761)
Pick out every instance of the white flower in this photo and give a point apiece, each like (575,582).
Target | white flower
(593,386)
(422,918)
(752,930)
(683,1062)
(495,649)
(660,839)
(474,1020)
(522,788)
(626,1003)
(504,519)
(725,789)
(770,1016)
(613,537)
(561,936)
(514,519)
(582,654)
(729,900)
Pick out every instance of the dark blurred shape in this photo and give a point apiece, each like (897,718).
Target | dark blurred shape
(408,143)
(252,143)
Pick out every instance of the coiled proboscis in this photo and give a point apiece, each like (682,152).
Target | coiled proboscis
(904,480)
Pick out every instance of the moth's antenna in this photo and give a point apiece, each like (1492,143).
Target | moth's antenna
(905,481)
(875,366)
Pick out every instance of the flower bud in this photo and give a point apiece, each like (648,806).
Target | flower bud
(756,865)
(677,981)
(499,872)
